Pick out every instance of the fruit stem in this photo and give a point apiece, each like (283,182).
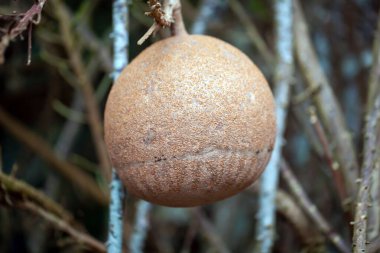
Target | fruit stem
(173,8)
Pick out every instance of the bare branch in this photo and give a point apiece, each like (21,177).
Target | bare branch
(252,32)
(326,102)
(81,238)
(120,17)
(283,79)
(371,162)
(136,244)
(311,210)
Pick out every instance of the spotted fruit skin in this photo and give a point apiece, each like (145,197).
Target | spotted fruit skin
(190,121)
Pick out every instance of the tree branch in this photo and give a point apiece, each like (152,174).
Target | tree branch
(371,162)
(120,16)
(311,210)
(140,229)
(373,91)
(283,79)
(326,102)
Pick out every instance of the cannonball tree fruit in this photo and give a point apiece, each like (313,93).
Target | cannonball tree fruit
(190,121)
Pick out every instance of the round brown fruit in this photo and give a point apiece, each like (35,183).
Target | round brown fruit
(190,121)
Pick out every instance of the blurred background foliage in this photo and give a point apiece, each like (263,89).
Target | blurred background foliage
(47,99)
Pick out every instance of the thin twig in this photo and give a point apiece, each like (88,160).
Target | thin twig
(91,105)
(81,238)
(326,102)
(337,174)
(283,78)
(287,206)
(299,110)
(120,15)
(310,209)
(371,162)
(41,148)
(173,12)
(252,32)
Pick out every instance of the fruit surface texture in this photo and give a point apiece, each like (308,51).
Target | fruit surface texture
(191,120)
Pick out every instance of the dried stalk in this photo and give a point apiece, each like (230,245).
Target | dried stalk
(326,102)
(85,85)
(22,22)
(168,16)
(73,174)
(371,162)
(283,78)
(311,210)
